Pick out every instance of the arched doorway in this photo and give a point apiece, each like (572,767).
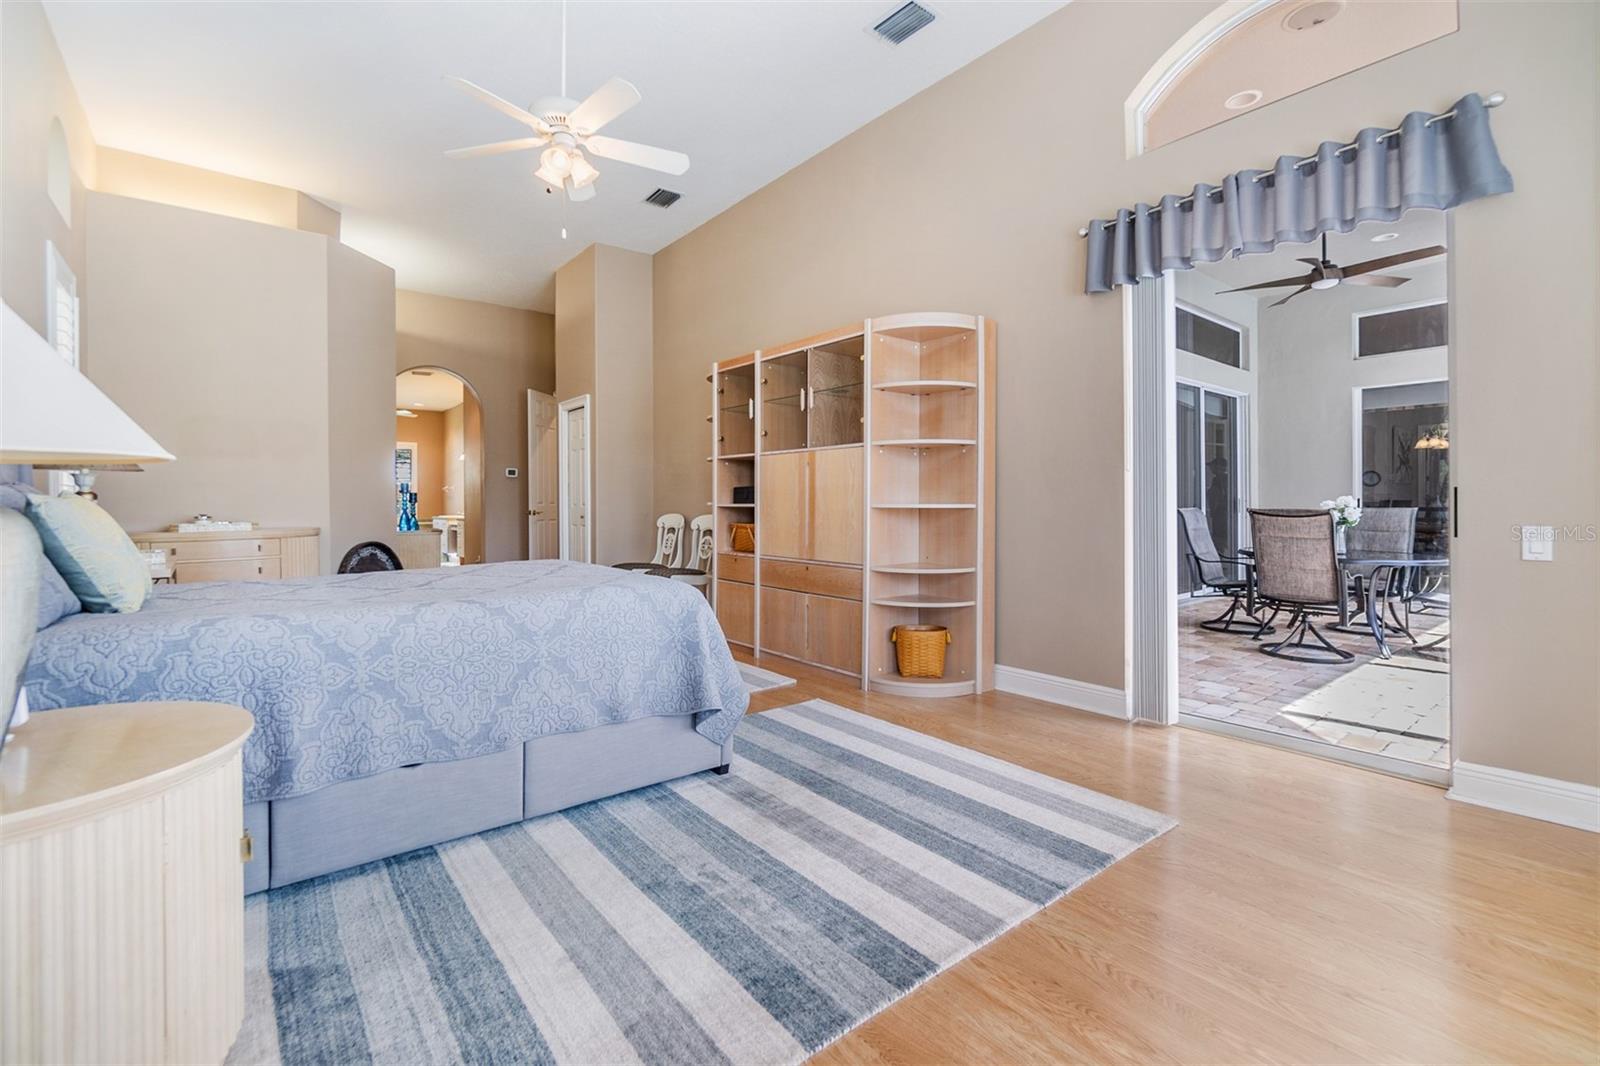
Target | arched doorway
(439,460)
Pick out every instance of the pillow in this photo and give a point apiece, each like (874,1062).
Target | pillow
(94,555)
(56,600)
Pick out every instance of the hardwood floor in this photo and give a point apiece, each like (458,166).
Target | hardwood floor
(1302,911)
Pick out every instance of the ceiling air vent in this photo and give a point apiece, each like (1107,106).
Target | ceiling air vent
(903,23)
(663,198)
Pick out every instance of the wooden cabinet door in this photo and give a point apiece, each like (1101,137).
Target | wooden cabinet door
(833,633)
(782,505)
(736,611)
(835,506)
(783,622)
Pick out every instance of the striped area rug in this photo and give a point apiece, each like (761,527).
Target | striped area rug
(746,918)
(760,680)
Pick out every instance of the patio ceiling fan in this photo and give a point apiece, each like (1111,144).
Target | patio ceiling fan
(1324,274)
(564,128)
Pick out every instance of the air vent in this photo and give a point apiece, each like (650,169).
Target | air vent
(663,198)
(903,23)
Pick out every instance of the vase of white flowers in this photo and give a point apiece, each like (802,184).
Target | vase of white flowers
(1346,511)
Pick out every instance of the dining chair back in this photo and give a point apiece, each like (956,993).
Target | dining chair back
(1298,568)
(669,545)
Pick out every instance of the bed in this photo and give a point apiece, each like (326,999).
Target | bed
(399,709)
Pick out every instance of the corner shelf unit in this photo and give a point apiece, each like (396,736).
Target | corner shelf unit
(869,451)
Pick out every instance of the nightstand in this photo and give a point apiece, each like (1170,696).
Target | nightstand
(121,872)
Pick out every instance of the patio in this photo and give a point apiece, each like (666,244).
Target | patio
(1397,707)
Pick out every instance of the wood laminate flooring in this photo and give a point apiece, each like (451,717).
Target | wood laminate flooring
(1302,911)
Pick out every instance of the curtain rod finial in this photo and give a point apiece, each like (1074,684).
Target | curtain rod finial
(1495,99)
(1083,231)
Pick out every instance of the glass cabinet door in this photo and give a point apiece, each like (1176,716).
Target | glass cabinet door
(783,402)
(834,393)
(736,411)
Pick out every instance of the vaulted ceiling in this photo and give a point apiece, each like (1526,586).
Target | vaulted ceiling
(347,102)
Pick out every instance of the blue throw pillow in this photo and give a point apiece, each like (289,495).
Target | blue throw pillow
(56,600)
(98,561)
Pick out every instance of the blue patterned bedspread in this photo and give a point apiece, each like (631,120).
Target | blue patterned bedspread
(354,674)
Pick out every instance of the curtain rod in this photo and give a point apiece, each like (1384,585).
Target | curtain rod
(1492,100)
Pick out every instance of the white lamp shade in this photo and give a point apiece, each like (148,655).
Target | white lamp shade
(50,413)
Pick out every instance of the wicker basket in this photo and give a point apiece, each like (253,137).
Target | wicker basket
(919,650)
(742,536)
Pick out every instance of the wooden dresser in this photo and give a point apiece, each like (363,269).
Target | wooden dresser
(121,872)
(238,555)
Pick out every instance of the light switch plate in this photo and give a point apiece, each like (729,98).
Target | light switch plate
(511,471)
(1539,543)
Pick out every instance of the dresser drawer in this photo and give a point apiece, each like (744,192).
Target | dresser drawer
(732,567)
(820,578)
(185,569)
(200,550)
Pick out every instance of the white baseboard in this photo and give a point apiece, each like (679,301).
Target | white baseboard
(1546,798)
(1100,699)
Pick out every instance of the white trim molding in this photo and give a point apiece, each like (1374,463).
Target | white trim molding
(1545,798)
(1099,699)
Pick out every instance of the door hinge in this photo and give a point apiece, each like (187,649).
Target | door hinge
(247,847)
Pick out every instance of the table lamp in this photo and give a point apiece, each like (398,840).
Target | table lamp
(50,414)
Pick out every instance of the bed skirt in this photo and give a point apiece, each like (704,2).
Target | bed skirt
(355,822)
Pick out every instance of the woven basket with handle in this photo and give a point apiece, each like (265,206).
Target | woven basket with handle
(919,650)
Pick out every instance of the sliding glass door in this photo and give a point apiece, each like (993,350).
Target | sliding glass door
(1211,470)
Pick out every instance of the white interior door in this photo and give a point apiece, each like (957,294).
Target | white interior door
(575,487)
(544,497)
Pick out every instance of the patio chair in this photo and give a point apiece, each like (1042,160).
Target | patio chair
(669,545)
(1383,529)
(1297,570)
(1228,575)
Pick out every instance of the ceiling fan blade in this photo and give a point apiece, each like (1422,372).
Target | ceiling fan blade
(1304,279)
(521,144)
(1292,295)
(603,105)
(504,106)
(1394,260)
(580,193)
(640,155)
(1314,262)
(1382,281)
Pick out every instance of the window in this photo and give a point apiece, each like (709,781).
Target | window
(1402,329)
(1210,338)
(61,326)
(61,305)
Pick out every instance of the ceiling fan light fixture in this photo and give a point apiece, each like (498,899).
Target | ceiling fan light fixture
(557,160)
(1325,283)
(582,172)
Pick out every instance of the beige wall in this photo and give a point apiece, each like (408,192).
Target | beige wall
(34,90)
(603,348)
(426,431)
(212,334)
(455,470)
(360,370)
(261,357)
(889,220)
(146,178)
(501,352)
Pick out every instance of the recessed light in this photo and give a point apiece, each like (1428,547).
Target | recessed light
(1310,16)
(1243,99)
(419,405)
(403,413)
(1380,238)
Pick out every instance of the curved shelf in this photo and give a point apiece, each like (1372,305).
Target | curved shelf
(739,506)
(924,507)
(922,601)
(926,687)
(925,386)
(922,568)
(927,442)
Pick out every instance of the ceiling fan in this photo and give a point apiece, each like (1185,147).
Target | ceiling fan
(565,128)
(1325,275)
